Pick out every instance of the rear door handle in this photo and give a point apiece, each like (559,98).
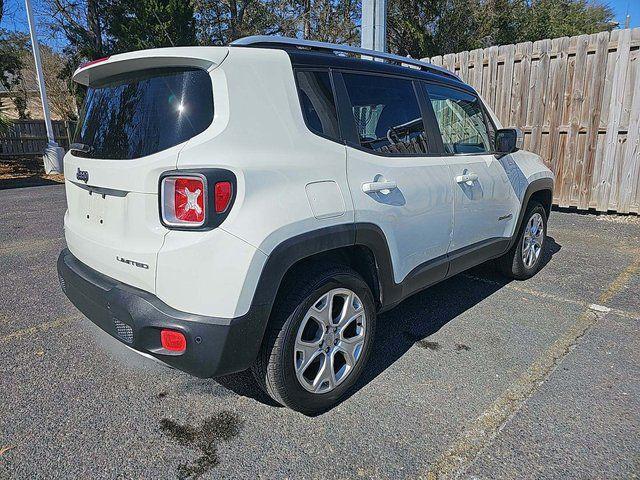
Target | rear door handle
(467,178)
(378,186)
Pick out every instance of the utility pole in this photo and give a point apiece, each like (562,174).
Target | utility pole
(53,153)
(374,25)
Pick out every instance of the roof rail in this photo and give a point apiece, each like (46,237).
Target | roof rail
(275,41)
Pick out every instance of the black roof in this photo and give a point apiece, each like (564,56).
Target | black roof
(310,58)
(311,53)
(289,42)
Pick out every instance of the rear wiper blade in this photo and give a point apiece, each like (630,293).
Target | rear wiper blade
(81,147)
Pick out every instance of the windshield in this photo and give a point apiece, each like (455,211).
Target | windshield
(140,113)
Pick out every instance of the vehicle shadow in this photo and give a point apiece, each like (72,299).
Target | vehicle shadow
(31,181)
(410,323)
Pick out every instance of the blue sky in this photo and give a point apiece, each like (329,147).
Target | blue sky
(622,6)
(16,16)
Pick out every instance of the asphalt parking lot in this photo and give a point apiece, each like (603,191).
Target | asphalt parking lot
(475,378)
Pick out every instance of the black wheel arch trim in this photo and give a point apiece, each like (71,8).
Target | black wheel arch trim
(538,185)
(306,245)
(297,248)
(370,236)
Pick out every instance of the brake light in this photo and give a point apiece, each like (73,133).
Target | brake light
(93,62)
(183,201)
(173,340)
(222,196)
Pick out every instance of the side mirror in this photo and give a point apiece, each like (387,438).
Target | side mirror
(509,140)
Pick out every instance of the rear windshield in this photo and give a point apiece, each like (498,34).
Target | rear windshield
(140,113)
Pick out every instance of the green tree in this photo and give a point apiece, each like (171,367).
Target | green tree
(140,24)
(10,57)
(459,26)
(559,18)
(81,23)
(222,21)
(328,21)
(424,28)
(94,28)
(410,26)
(98,28)
(501,22)
(14,49)
(6,62)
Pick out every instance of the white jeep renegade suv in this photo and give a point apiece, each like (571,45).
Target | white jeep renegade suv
(258,205)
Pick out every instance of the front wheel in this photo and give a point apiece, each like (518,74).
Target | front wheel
(524,259)
(319,339)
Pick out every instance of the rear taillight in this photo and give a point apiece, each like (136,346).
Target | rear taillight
(184,200)
(196,199)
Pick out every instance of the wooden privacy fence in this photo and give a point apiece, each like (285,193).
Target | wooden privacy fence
(28,138)
(577,101)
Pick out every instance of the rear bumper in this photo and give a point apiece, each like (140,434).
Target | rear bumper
(215,346)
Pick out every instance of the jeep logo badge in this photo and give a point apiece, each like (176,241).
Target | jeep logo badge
(82,175)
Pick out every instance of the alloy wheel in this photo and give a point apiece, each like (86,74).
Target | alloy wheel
(532,240)
(330,340)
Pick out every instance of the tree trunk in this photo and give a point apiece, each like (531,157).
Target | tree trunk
(95,29)
(233,19)
(306,18)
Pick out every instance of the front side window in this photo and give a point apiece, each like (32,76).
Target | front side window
(386,113)
(318,106)
(140,113)
(461,118)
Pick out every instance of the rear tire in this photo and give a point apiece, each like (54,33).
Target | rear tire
(524,258)
(318,340)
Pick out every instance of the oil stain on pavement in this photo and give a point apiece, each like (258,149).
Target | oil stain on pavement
(219,428)
(421,341)
(426,344)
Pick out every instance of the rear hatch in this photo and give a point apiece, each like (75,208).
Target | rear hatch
(140,111)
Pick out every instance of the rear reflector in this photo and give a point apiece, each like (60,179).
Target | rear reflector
(173,340)
(183,201)
(222,196)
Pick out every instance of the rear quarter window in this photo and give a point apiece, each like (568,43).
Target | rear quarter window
(139,113)
(317,102)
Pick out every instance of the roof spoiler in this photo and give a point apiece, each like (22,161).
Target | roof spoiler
(199,57)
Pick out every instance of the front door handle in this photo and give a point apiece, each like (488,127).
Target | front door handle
(378,186)
(467,178)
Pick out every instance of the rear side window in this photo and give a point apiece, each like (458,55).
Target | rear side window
(318,105)
(386,113)
(140,113)
(462,120)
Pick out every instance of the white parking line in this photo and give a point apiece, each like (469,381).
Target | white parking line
(457,458)
(557,298)
(28,246)
(41,327)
